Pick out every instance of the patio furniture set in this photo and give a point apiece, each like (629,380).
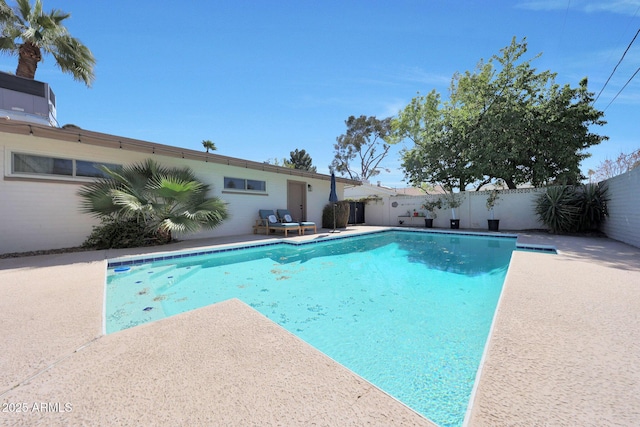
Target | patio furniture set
(281,221)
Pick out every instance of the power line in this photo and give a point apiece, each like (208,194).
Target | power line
(616,67)
(625,85)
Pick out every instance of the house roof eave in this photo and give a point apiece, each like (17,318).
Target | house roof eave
(75,134)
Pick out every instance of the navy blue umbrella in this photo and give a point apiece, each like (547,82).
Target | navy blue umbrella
(333,198)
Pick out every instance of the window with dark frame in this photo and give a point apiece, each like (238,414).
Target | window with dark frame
(31,164)
(244,184)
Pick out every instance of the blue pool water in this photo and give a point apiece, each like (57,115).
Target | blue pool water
(408,311)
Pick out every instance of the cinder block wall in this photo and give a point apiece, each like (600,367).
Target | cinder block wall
(623,223)
(514,209)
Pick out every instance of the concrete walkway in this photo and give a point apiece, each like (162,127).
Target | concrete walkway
(564,351)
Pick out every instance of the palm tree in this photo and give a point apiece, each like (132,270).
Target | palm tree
(28,31)
(165,200)
(209,145)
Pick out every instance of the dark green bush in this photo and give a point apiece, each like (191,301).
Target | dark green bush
(114,233)
(342,214)
(572,209)
(593,206)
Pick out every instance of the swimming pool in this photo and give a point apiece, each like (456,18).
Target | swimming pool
(408,311)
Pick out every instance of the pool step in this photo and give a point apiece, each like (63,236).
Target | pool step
(177,275)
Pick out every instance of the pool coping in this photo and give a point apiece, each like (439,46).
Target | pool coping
(142,259)
(49,348)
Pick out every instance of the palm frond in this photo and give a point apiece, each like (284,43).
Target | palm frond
(166,200)
(73,57)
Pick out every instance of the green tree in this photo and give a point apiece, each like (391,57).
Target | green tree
(301,160)
(365,143)
(163,200)
(209,145)
(504,120)
(28,31)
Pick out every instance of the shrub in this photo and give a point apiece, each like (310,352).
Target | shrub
(165,200)
(342,214)
(114,233)
(593,206)
(571,209)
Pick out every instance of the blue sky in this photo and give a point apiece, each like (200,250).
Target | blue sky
(262,78)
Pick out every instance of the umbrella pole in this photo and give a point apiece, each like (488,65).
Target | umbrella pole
(334,217)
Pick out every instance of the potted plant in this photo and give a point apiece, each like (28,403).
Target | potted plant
(492,201)
(430,206)
(453,201)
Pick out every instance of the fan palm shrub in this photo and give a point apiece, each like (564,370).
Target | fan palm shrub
(161,200)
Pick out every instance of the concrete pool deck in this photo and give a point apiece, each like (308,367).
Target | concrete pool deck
(564,350)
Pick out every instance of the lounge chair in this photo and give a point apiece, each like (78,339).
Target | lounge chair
(269,222)
(285,216)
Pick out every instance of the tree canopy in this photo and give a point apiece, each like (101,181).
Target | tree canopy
(28,31)
(301,160)
(358,152)
(503,120)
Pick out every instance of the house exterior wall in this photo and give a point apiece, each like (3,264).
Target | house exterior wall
(623,223)
(514,209)
(40,214)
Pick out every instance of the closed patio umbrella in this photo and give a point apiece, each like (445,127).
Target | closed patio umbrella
(333,198)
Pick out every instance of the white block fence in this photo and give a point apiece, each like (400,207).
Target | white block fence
(514,209)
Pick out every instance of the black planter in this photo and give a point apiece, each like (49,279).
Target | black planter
(494,224)
(455,223)
(428,222)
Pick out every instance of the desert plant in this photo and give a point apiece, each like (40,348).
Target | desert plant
(593,206)
(164,200)
(343,209)
(572,209)
(559,208)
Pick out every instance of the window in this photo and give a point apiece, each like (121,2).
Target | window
(89,169)
(244,184)
(30,164)
(252,184)
(26,163)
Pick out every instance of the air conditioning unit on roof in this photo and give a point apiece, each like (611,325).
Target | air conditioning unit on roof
(27,100)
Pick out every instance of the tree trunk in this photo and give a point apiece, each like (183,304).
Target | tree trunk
(28,57)
(510,184)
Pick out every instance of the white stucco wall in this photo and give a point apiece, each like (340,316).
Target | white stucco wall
(37,214)
(623,223)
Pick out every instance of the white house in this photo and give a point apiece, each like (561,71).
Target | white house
(43,167)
